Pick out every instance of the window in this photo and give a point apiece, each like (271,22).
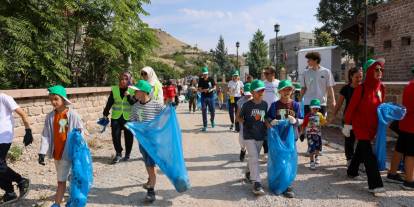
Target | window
(310,42)
(387,44)
(405,41)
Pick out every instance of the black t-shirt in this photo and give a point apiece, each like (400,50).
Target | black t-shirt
(347,92)
(254,116)
(206,84)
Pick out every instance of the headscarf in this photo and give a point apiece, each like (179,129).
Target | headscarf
(152,77)
(370,80)
(127,74)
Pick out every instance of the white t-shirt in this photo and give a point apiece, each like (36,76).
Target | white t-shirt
(7,106)
(235,88)
(317,83)
(271,94)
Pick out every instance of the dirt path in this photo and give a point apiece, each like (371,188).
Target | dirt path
(215,175)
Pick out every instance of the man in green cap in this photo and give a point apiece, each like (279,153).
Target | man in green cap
(144,110)
(234,90)
(252,116)
(207,87)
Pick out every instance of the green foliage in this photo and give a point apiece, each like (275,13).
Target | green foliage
(257,57)
(220,57)
(334,14)
(323,39)
(15,153)
(71,42)
(163,71)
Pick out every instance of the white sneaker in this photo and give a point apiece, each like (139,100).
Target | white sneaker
(377,191)
(312,165)
(317,161)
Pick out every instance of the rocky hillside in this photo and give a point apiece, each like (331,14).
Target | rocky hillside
(170,45)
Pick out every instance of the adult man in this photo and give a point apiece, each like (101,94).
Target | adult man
(317,81)
(235,88)
(207,86)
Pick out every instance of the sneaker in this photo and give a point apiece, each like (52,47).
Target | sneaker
(258,189)
(204,129)
(289,193)
(263,158)
(317,161)
(8,198)
(242,155)
(376,191)
(312,165)
(23,186)
(213,124)
(231,127)
(247,177)
(408,186)
(394,178)
(150,195)
(116,159)
(126,158)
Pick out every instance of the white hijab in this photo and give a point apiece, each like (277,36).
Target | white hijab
(152,77)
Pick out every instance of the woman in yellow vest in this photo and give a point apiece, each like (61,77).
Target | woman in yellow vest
(120,102)
(148,74)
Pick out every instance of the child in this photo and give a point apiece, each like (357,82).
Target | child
(252,116)
(286,108)
(8,175)
(312,128)
(247,96)
(58,124)
(144,110)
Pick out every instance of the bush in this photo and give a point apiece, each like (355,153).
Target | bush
(15,153)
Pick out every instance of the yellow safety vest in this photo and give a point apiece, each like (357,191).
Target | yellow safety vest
(121,106)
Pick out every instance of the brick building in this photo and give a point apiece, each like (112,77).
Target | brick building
(390,33)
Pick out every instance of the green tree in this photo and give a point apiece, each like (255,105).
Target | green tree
(220,57)
(323,39)
(257,57)
(334,14)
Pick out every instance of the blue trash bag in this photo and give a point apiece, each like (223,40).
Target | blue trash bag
(387,112)
(283,159)
(161,138)
(302,107)
(81,173)
(103,122)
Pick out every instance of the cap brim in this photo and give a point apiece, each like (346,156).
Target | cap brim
(205,73)
(247,93)
(315,107)
(259,89)
(286,87)
(134,88)
(67,101)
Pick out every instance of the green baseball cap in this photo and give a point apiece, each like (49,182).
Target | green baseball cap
(284,84)
(204,70)
(257,85)
(315,103)
(142,85)
(247,89)
(236,73)
(60,91)
(367,64)
(297,86)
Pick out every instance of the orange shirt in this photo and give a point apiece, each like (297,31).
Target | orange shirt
(60,129)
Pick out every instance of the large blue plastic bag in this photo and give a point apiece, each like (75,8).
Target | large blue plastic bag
(82,173)
(283,159)
(387,112)
(161,138)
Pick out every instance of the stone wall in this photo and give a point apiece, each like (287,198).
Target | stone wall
(88,103)
(393,93)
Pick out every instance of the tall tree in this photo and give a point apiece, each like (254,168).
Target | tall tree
(323,39)
(257,57)
(334,14)
(221,58)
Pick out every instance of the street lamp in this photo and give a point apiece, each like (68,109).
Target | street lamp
(366,32)
(237,54)
(277,29)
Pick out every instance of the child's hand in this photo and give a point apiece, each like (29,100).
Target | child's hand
(292,120)
(274,122)
(41,159)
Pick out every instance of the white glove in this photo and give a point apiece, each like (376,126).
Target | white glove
(274,122)
(346,131)
(292,120)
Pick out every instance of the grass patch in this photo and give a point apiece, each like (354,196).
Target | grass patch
(15,153)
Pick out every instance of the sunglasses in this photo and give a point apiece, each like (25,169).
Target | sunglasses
(379,70)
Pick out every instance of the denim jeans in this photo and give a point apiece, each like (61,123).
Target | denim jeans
(207,102)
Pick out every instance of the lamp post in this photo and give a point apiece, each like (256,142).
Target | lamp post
(277,29)
(366,32)
(237,54)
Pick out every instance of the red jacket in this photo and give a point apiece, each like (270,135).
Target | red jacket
(169,92)
(362,110)
(407,124)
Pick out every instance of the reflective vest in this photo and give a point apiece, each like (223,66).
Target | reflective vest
(156,90)
(121,106)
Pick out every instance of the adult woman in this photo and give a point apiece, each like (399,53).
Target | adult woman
(362,114)
(354,79)
(148,74)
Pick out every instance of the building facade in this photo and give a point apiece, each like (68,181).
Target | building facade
(288,46)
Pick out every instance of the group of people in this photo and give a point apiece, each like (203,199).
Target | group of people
(254,107)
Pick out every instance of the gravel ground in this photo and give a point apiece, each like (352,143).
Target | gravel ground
(215,175)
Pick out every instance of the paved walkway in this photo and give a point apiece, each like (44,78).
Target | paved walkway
(215,175)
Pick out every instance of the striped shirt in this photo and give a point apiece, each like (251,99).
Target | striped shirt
(146,112)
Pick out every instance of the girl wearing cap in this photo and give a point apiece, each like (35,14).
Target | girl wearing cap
(235,88)
(312,128)
(361,117)
(120,102)
(253,117)
(247,96)
(286,108)
(58,124)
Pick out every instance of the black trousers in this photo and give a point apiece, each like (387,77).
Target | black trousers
(7,175)
(232,112)
(364,154)
(192,103)
(117,126)
(265,147)
(350,146)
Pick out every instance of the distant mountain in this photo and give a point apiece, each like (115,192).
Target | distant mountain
(170,45)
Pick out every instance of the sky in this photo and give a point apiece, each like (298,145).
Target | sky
(201,22)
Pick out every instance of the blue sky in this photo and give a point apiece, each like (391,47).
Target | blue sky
(202,22)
